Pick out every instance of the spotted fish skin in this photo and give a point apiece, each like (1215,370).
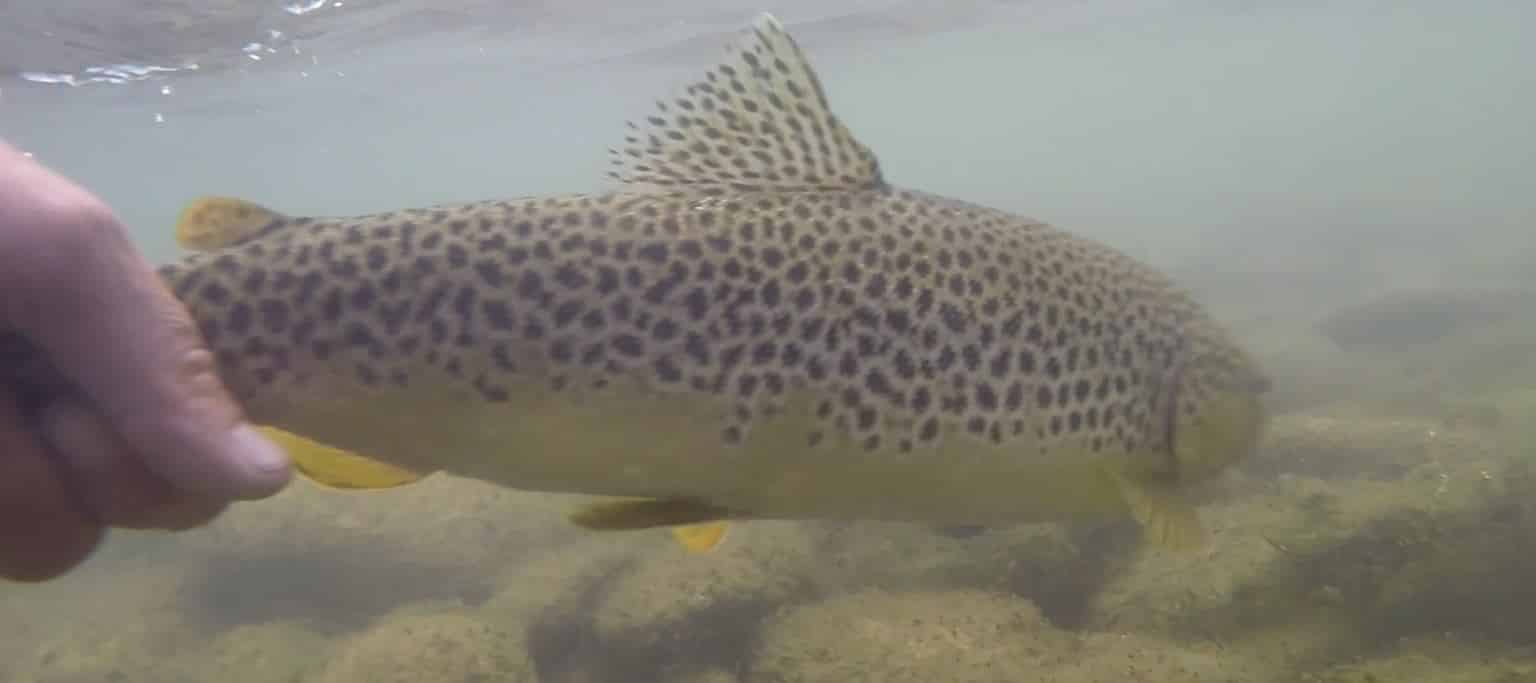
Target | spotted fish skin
(756,318)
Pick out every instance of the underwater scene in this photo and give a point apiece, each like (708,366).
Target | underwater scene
(820,342)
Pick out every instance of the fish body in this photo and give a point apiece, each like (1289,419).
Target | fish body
(754,324)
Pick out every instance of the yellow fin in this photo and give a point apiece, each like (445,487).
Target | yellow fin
(758,120)
(337,468)
(647,514)
(209,223)
(1167,519)
(700,538)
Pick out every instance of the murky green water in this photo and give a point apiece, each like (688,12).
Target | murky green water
(1282,161)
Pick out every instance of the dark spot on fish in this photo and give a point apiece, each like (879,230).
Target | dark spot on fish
(697,348)
(566,312)
(929,431)
(363,297)
(464,304)
(367,375)
(239,319)
(502,356)
(274,315)
(497,314)
(655,252)
(254,280)
(531,286)
(215,293)
(378,258)
(667,370)
(572,278)
(629,345)
(490,391)
(490,272)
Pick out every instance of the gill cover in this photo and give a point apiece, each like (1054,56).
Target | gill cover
(1218,414)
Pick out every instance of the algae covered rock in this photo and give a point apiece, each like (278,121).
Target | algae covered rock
(343,558)
(104,622)
(571,574)
(1304,570)
(273,651)
(1117,657)
(637,607)
(964,636)
(960,636)
(130,654)
(443,647)
(1441,660)
(759,563)
(1057,566)
(661,613)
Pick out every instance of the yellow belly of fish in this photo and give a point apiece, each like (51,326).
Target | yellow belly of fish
(635,443)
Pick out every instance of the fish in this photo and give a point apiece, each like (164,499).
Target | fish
(752,323)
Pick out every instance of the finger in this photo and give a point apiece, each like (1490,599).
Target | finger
(114,484)
(45,532)
(85,295)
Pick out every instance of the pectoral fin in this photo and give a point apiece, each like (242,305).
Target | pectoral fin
(1167,519)
(337,468)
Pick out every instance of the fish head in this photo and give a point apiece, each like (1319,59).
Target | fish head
(1217,413)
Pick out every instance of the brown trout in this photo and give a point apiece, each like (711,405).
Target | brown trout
(753,324)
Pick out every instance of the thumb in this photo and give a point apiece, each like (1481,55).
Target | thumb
(161,390)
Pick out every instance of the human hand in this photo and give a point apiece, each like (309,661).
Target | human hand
(151,439)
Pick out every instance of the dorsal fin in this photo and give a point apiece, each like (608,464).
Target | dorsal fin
(209,223)
(758,120)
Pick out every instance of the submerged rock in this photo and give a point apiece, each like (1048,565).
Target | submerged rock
(761,563)
(964,636)
(102,623)
(1442,660)
(625,607)
(879,636)
(1408,318)
(1307,572)
(444,647)
(271,651)
(342,558)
